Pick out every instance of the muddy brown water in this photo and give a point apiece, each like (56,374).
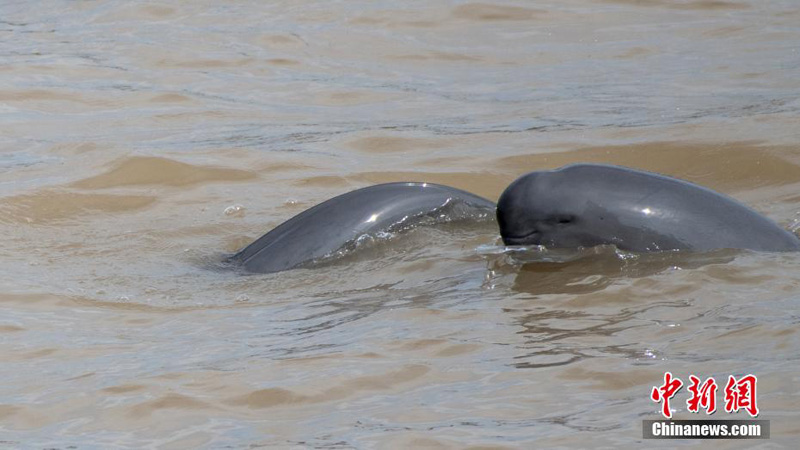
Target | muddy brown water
(140,142)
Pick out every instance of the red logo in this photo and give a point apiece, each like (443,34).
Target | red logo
(705,395)
(665,392)
(739,394)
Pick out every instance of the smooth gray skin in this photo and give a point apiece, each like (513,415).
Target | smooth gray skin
(585,205)
(327,227)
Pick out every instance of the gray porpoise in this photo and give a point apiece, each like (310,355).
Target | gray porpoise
(327,227)
(585,205)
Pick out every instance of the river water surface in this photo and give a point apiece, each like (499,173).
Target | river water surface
(141,142)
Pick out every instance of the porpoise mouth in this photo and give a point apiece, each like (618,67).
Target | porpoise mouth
(531,238)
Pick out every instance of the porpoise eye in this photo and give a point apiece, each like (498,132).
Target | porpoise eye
(565,218)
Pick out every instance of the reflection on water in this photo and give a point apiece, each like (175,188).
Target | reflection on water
(546,271)
(141,142)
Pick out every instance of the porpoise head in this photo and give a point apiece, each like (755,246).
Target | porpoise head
(572,207)
(540,209)
(584,205)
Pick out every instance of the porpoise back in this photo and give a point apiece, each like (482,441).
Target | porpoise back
(327,227)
